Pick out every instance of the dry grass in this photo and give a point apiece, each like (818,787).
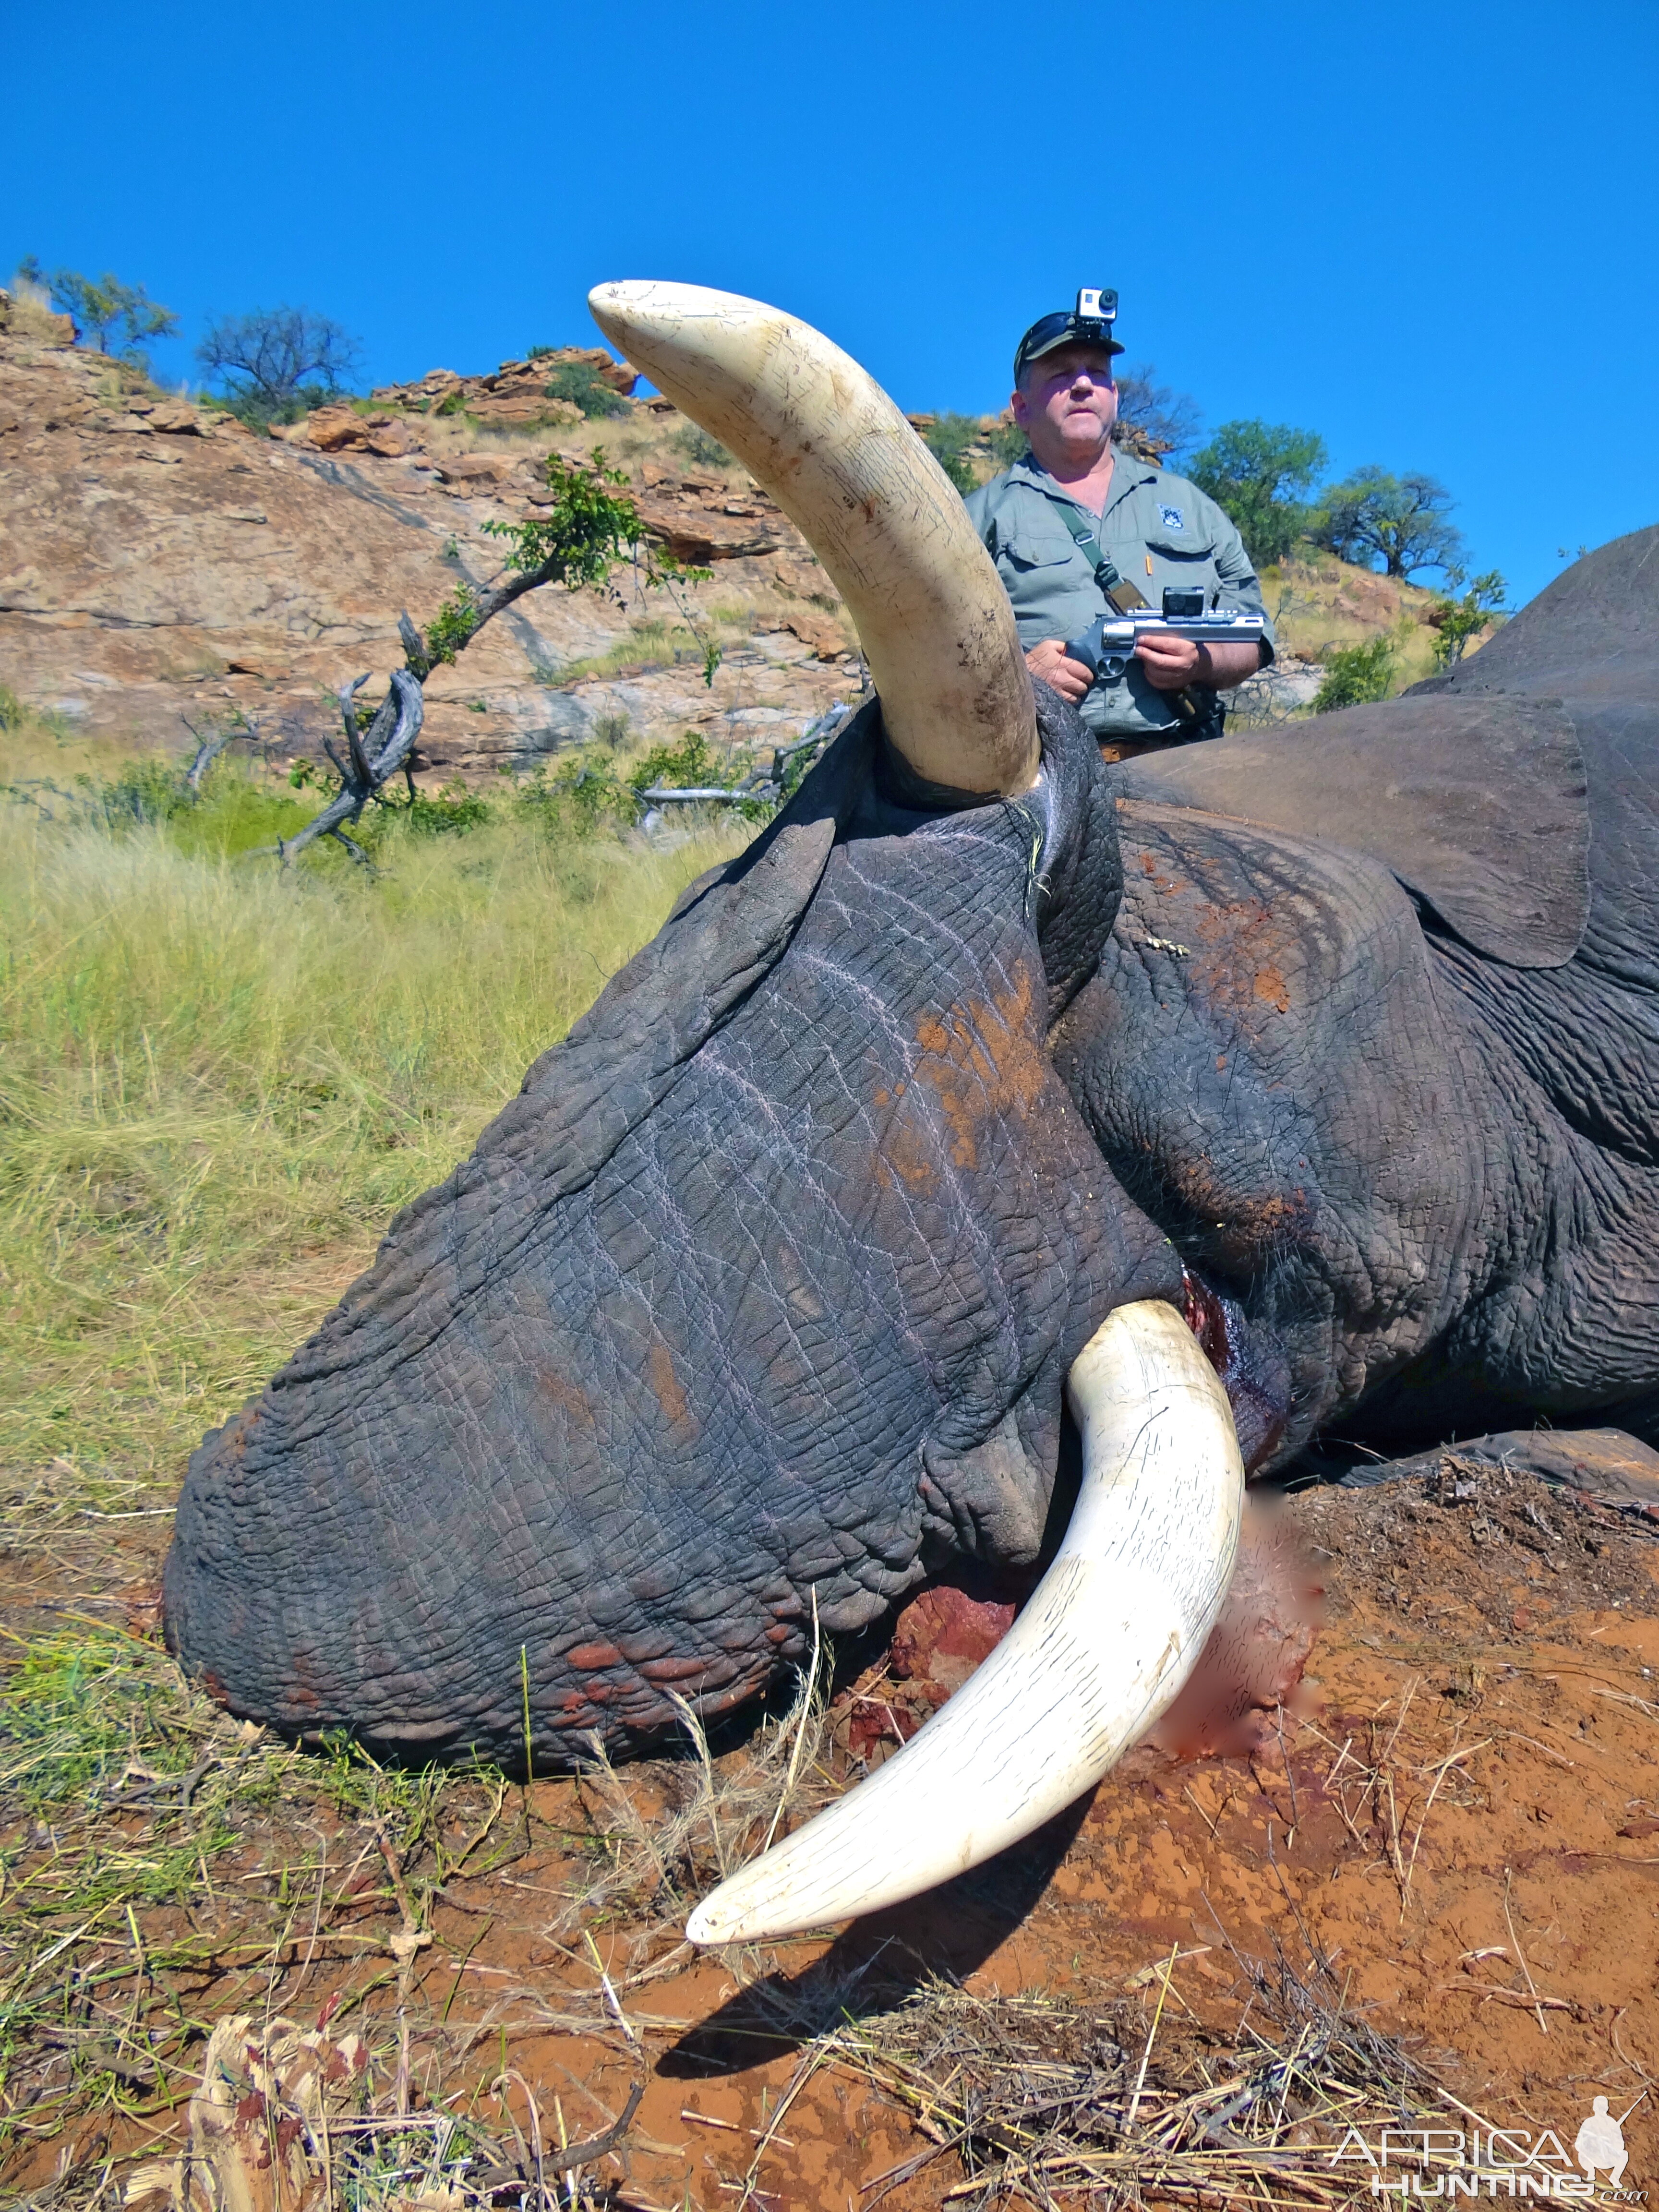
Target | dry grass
(1042,2099)
(31,317)
(660,1837)
(221,1080)
(175,1883)
(1319,603)
(133,1920)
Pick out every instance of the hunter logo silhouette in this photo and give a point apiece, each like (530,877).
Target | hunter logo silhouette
(1600,2142)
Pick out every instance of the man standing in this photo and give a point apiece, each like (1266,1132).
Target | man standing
(1079,516)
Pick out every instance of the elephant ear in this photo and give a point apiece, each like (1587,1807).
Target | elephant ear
(1477,803)
(584,1095)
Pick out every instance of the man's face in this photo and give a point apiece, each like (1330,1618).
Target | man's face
(1067,403)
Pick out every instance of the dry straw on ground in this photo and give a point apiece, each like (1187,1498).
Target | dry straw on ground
(1046,2102)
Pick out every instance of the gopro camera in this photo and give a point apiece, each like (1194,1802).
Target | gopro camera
(1096,306)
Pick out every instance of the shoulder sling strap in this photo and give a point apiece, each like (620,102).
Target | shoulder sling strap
(1202,715)
(1115,590)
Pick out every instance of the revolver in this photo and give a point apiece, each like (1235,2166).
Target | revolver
(1106,647)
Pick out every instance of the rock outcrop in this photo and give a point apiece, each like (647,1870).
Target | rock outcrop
(159,561)
(516,393)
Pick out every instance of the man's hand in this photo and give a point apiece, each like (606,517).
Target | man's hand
(1069,678)
(1172,663)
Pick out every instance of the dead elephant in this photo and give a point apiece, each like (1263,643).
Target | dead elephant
(1323,1063)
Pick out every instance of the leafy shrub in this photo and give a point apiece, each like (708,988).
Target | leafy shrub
(104,303)
(580,795)
(948,438)
(1008,443)
(146,790)
(454,622)
(1357,675)
(581,383)
(450,813)
(586,527)
(1458,620)
(232,812)
(703,451)
(681,766)
(453,402)
(690,766)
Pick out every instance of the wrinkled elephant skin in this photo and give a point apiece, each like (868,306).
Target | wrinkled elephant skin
(765,1289)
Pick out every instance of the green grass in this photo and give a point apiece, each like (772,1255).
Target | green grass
(218,1079)
(127,1802)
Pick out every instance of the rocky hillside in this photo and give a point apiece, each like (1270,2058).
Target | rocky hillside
(162,564)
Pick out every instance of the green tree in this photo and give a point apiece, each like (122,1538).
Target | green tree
(947,438)
(695,445)
(1458,620)
(103,305)
(276,362)
(1403,523)
(1007,441)
(1258,473)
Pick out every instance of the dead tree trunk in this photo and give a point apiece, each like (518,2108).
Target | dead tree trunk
(374,757)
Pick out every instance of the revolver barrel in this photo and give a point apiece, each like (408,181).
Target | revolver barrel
(1106,647)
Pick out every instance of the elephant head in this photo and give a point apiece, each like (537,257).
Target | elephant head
(760,1301)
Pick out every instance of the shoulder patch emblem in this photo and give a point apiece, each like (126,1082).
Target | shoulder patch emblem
(1173,518)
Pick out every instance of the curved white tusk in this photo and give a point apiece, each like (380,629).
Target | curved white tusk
(1102,1647)
(829,446)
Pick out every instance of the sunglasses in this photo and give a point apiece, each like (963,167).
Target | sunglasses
(1062,328)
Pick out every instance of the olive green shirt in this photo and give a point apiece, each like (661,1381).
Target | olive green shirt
(1157,529)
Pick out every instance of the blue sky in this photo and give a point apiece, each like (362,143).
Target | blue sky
(1425,231)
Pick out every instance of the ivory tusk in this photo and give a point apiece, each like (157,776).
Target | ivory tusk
(828,445)
(1101,1649)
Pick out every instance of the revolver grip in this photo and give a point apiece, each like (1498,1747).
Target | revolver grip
(1085,650)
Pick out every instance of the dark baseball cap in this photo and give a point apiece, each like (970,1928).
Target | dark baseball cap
(1089,323)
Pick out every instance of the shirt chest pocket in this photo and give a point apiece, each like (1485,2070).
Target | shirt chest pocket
(1186,554)
(1029,555)
(1176,558)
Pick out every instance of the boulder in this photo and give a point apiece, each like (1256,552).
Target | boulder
(515,392)
(481,471)
(24,316)
(823,632)
(177,418)
(330,430)
(698,535)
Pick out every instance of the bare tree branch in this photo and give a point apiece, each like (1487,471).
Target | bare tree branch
(208,746)
(375,757)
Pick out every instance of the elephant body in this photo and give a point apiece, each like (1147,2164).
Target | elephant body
(763,1292)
